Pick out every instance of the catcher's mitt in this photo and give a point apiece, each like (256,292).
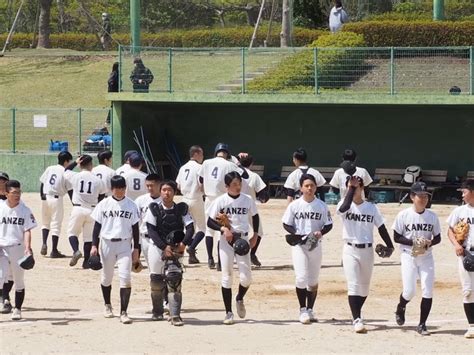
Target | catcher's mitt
(461,231)
(223,220)
(383,251)
(420,245)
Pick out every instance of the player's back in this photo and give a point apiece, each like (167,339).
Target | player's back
(104,173)
(253,184)
(87,187)
(135,183)
(213,172)
(53,180)
(188,180)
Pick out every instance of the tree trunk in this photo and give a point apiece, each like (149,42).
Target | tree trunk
(61,15)
(285,34)
(44,24)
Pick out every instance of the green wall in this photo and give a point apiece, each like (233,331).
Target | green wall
(390,136)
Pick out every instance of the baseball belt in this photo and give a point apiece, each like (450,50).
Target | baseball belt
(360,246)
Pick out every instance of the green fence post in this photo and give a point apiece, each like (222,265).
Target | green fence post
(79,123)
(243,71)
(120,69)
(471,71)
(170,70)
(392,72)
(316,88)
(14,130)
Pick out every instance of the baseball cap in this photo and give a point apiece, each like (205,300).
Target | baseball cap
(419,188)
(468,184)
(4,176)
(349,154)
(349,167)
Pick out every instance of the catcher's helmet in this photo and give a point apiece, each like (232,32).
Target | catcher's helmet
(94,262)
(27,262)
(241,247)
(221,147)
(174,238)
(468,262)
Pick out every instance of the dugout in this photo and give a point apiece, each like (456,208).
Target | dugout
(435,132)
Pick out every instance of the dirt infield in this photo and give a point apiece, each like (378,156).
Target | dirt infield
(63,305)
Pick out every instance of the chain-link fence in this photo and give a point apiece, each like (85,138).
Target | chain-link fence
(49,130)
(393,70)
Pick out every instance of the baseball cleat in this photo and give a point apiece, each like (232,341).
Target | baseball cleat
(229,318)
(304,316)
(241,311)
(44,249)
(157,317)
(166,308)
(75,258)
(359,326)
(211,263)
(85,264)
(124,318)
(312,318)
(469,333)
(218,266)
(56,254)
(254,260)
(16,314)
(192,256)
(177,321)
(6,307)
(421,329)
(400,315)
(108,312)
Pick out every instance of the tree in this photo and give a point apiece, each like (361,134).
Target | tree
(285,34)
(44,24)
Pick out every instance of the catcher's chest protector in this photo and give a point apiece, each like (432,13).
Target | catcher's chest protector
(168,220)
(412,174)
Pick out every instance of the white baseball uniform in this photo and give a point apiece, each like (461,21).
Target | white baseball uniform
(86,190)
(358,224)
(116,218)
(411,224)
(254,185)
(104,173)
(143,203)
(238,210)
(123,169)
(14,222)
(340,178)
(135,183)
(188,184)
(54,188)
(465,213)
(293,180)
(307,217)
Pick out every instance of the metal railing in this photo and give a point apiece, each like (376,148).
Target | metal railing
(33,129)
(389,70)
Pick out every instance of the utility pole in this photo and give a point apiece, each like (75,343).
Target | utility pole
(135,26)
(438,10)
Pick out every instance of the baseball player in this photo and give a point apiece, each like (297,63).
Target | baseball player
(341,176)
(465,213)
(116,224)
(165,222)
(3,183)
(308,217)
(6,306)
(257,189)
(188,184)
(211,176)
(52,190)
(359,217)
(135,178)
(104,171)
(238,207)
(126,163)
(292,183)
(16,223)
(88,191)
(413,222)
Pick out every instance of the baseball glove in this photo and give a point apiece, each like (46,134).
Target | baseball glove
(293,239)
(137,267)
(27,262)
(461,231)
(223,220)
(420,245)
(311,240)
(383,251)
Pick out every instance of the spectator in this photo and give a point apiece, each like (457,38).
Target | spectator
(141,76)
(113,81)
(337,17)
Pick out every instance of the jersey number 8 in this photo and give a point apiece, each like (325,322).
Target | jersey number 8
(136,184)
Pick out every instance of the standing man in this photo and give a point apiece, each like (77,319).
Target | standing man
(8,285)
(52,190)
(307,219)
(257,190)
(417,229)
(88,191)
(188,184)
(211,176)
(104,171)
(292,183)
(126,163)
(238,208)
(465,213)
(165,223)
(16,223)
(116,224)
(135,178)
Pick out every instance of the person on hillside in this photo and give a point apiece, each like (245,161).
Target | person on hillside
(337,17)
(141,76)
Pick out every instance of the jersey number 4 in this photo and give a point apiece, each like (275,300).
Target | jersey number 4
(214,172)
(89,187)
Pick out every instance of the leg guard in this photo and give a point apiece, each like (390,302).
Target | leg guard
(157,284)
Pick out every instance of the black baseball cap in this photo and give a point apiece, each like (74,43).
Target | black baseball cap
(419,188)
(4,176)
(468,184)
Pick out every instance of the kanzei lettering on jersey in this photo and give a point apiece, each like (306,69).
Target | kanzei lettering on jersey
(418,227)
(235,210)
(18,221)
(356,217)
(119,214)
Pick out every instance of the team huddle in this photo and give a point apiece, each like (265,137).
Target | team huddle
(123,214)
